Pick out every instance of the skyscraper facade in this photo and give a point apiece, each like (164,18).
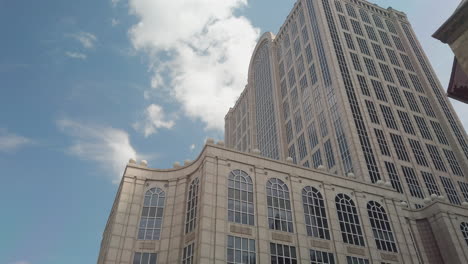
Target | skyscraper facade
(341,149)
(346,85)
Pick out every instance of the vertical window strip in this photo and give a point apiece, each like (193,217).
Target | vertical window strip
(427,106)
(279,206)
(425,133)
(187,257)
(412,101)
(363,46)
(315,213)
(317,158)
(394,178)
(406,122)
(329,154)
(349,41)
(396,97)
(413,183)
(312,133)
(292,153)
(386,73)
(464,189)
(378,52)
(363,85)
(370,66)
(301,144)
(464,230)
(416,83)
(402,78)
(372,112)
(371,33)
(240,250)
(381,227)
(393,58)
(418,152)
(388,117)
(379,134)
(192,206)
(240,198)
(152,215)
(452,160)
(350,226)
(450,190)
(430,183)
(436,158)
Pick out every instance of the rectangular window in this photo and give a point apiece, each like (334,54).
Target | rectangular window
(344,23)
(240,250)
(300,66)
(305,35)
(282,254)
(356,63)
(396,97)
(370,67)
(301,144)
(298,121)
(407,62)
(313,74)
(378,22)
(401,78)
(293,28)
(379,91)
(416,83)
(363,85)
(430,183)
(356,27)
(399,147)
(413,183)
(338,7)
(418,152)
(329,154)
(378,52)
(464,189)
(284,88)
(371,33)
(388,117)
(439,133)
(308,54)
(372,112)
(145,258)
(450,190)
(286,110)
(423,127)
(385,39)
(398,43)
(413,105)
(321,257)
(436,158)
(289,131)
(363,46)
(390,26)
(291,77)
(364,16)
(323,124)
(382,142)
(356,260)
(386,72)
(452,160)
(289,59)
(307,110)
(294,99)
(317,159)
(427,106)
(406,122)
(312,133)
(393,58)
(187,257)
(349,41)
(394,178)
(297,47)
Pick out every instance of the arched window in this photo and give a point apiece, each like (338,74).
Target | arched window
(381,227)
(240,198)
(349,220)
(192,203)
(279,206)
(464,229)
(314,212)
(152,215)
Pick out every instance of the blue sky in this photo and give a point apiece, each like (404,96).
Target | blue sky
(88,84)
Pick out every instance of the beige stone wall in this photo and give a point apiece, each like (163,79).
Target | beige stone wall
(210,235)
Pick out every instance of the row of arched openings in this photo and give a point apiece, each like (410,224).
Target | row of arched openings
(241,210)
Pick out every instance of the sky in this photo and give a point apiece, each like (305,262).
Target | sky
(86,85)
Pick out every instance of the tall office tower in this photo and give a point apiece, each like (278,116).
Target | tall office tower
(346,85)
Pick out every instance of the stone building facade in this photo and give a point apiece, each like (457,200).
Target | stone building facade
(233,207)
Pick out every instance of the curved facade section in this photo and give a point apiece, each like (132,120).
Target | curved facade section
(261,81)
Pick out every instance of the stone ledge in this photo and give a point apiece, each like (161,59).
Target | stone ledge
(281,237)
(240,230)
(356,251)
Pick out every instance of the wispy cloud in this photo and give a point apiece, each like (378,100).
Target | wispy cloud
(109,147)
(114,2)
(11,142)
(20,262)
(206,49)
(114,22)
(76,55)
(192,147)
(88,40)
(154,119)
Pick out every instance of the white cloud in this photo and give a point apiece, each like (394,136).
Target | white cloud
(192,147)
(155,118)
(114,2)
(208,49)
(11,142)
(114,22)
(21,262)
(76,55)
(86,39)
(107,146)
